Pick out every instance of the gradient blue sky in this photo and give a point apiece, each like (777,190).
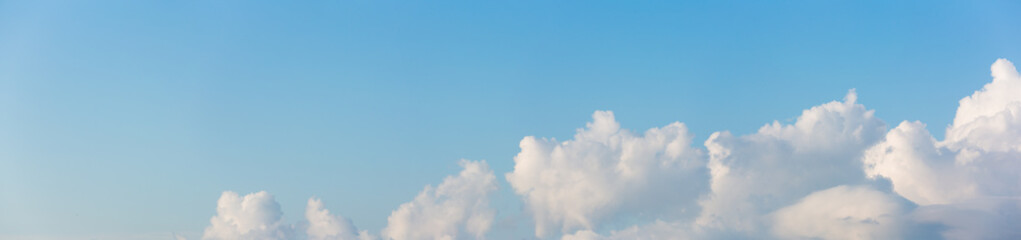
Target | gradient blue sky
(126,117)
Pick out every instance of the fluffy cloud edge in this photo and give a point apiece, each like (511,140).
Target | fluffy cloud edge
(606,172)
(460,204)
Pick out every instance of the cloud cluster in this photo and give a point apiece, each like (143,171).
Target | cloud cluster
(836,172)
(606,172)
(759,184)
(460,204)
(756,174)
(975,173)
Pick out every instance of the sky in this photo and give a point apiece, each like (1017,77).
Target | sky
(509,120)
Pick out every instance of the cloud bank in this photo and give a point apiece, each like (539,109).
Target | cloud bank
(458,208)
(836,172)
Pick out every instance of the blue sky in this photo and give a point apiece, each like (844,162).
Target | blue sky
(131,117)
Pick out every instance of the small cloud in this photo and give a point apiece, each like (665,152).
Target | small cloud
(458,205)
(253,216)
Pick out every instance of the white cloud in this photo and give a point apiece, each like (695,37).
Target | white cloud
(767,183)
(841,212)
(973,174)
(756,174)
(811,179)
(325,226)
(919,171)
(606,172)
(255,216)
(990,119)
(459,204)
(835,173)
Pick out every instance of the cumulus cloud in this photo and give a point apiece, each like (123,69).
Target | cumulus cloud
(837,173)
(458,205)
(325,226)
(756,174)
(258,216)
(834,173)
(255,216)
(605,172)
(973,174)
(990,119)
(911,159)
(753,180)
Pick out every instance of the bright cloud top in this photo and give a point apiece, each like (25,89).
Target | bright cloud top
(823,176)
(604,172)
(254,216)
(325,226)
(460,204)
(756,174)
(973,173)
(837,172)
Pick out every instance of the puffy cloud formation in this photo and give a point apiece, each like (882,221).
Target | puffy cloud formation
(837,173)
(756,174)
(834,173)
(325,226)
(459,204)
(911,159)
(990,119)
(604,172)
(841,212)
(255,216)
(781,168)
(973,177)
(258,216)
(802,180)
